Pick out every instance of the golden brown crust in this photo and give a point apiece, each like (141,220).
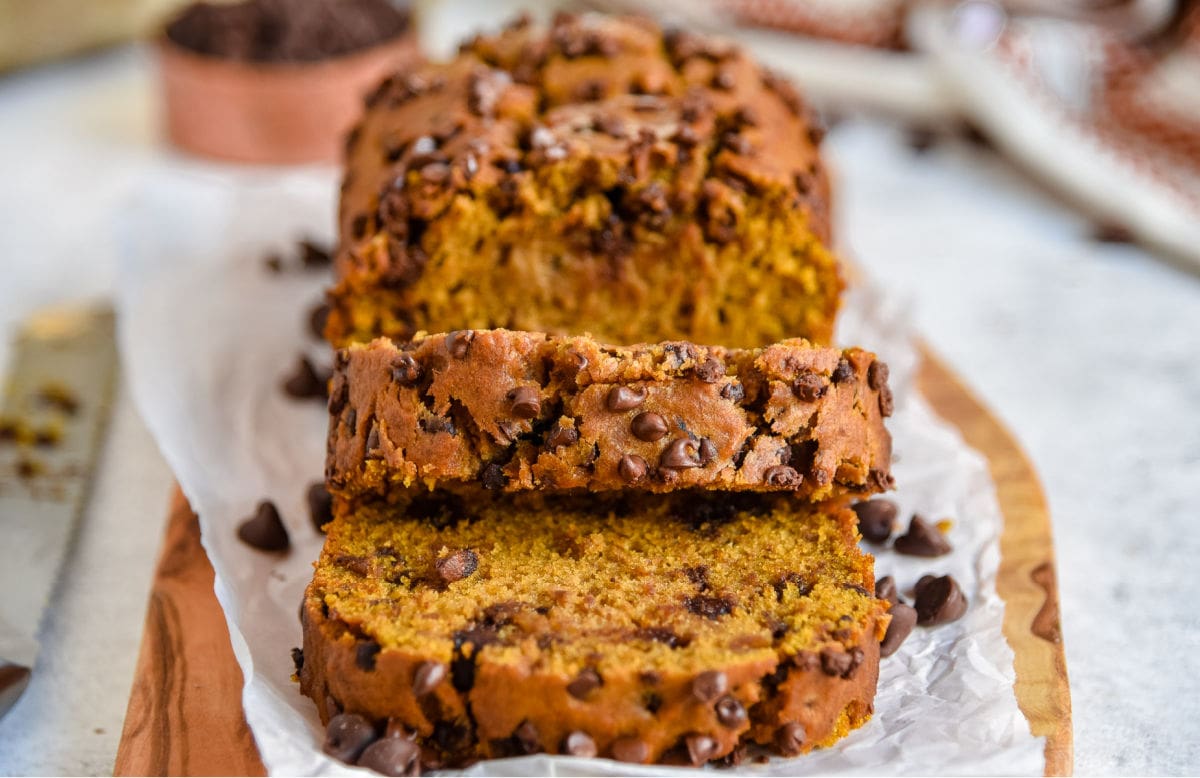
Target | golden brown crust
(517,411)
(599,176)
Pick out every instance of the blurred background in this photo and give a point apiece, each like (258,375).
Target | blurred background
(1023,176)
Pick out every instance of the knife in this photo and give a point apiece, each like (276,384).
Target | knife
(55,408)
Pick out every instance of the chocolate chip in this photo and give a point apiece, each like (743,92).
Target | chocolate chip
(940,601)
(922,539)
(709,607)
(427,677)
(885,589)
(393,755)
(843,372)
(493,477)
(887,402)
(524,402)
(630,749)
(632,468)
(528,738)
(364,655)
(875,519)
(904,617)
(680,453)
(265,530)
(710,370)
(347,736)
(624,398)
(730,712)
(307,382)
(317,319)
(808,387)
(339,394)
(700,749)
(579,744)
(877,374)
(709,685)
(405,369)
(789,739)
(648,426)
(707,451)
(562,436)
(314,256)
(734,392)
(298,659)
(459,565)
(835,662)
(881,479)
(320,505)
(274,263)
(922,582)
(1111,232)
(782,475)
(584,684)
(459,342)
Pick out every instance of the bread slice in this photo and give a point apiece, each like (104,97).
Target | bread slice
(516,411)
(646,628)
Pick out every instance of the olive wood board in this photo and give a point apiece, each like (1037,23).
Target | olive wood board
(185,713)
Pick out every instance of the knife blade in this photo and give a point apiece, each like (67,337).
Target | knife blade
(55,409)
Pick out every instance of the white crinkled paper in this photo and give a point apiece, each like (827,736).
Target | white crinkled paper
(208,335)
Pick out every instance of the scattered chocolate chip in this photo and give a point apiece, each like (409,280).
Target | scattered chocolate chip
(734,392)
(808,387)
(306,382)
(579,744)
(562,436)
(1111,232)
(632,468)
(922,539)
(700,749)
(364,655)
(405,369)
(709,685)
(393,755)
(921,583)
(875,519)
(709,607)
(789,739)
(624,398)
(493,477)
(877,374)
(528,738)
(317,319)
(887,402)
(730,712)
(843,372)
(630,749)
(648,426)
(320,505)
(881,479)
(314,256)
(339,395)
(459,342)
(782,475)
(298,659)
(265,530)
(680,453)
(427,677)
(885,589)
(584,684)
(459,565)
(524,402)
(835,662)
(710,370)
(707,451)
(347,736)
(904,617)
(940,601)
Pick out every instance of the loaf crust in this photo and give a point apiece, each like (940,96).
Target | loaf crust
(597,176)
(516,411)
(638,644)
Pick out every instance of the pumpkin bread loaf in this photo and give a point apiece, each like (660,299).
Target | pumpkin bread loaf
(582,625)
(598,176)
(515,411)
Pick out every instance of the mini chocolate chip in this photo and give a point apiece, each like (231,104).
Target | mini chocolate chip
(885,589)
(887,402)
(808,387)
(320,505)
(707,452)
(264,530)
(835,662)
(730,712)
(298,659)
(562,436)
(624,398)
(875,519)
(782,475)
(405,369)
(630,749)
(700,749)
(314,256)
(632,468)
(877,374)
(459,565)
(680,453)
(648,426)
(364,655)
(524,402)
(584,684)
(709,685)
(843,371)
(940,601)
(373,444)
(904,617)
(806,660)
(317,320)
(427,677)
(339,394)
(493,477)
(528,737)
(579,744)
(307,382)
(393,755)
(347,736)
(733,392)
(458,343)
(881,479)
(789,739)
(709,607)
(922,539)
(710,370)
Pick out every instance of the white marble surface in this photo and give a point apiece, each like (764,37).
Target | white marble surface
(1091,354)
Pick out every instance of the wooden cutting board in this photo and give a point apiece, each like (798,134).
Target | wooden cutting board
(185,713)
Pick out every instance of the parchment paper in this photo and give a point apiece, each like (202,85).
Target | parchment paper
(208,336)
